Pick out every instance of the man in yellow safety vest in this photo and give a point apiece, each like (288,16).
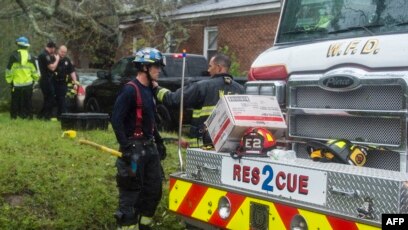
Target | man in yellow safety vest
(21,72)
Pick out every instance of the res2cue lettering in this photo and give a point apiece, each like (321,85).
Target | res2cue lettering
(292,182)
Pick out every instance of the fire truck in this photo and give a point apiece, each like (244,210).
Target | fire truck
(338,70)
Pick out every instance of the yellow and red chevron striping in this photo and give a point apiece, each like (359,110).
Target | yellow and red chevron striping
(194,194)
(200,202)
(236,201)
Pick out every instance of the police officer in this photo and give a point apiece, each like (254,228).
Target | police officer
(65,72)
(48,62)
(203,95)
(139,178)
(21,73)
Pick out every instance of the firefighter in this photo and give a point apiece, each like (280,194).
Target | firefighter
(65,73)
(203,95)
(139,175)
(21,73)
(48,61)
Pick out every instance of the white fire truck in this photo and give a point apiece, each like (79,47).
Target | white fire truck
(339,70)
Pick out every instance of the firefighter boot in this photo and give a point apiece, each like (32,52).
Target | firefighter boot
(124,222)
(145,222)
(130,227)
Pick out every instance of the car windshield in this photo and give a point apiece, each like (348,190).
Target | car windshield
(123,68)
(310,20)
(86,76)
(85,79)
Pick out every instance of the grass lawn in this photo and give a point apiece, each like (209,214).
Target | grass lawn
(50,182)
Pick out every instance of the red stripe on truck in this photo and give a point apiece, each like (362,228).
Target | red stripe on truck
(192,199)
(340,224)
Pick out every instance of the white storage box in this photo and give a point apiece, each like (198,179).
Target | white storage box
(235,113)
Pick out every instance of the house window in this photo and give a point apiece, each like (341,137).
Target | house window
(210,41)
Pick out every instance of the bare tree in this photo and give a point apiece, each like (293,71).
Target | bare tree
(92,26)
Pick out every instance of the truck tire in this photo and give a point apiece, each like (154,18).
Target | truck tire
(92,105)
(164,121)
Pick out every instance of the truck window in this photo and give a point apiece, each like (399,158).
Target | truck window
(311,20)
(195,66)
(119,68)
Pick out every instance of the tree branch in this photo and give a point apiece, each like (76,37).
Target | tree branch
(33,20)
(9,14)
(48,11)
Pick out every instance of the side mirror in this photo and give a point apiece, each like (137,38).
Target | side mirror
(102,74)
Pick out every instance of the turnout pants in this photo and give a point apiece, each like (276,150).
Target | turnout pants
(140,192)
(47,89)
(21,102)
(61,89)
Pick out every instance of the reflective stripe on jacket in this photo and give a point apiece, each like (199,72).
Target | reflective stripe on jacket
(21,70)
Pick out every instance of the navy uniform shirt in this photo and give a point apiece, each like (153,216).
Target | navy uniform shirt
(44,59)
(64,69)
(124,113)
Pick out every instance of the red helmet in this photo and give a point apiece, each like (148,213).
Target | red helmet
(257,140)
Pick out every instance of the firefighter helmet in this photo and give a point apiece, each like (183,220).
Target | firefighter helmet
(339,147)
(257,140)
(148,56)
(23,41)
(340,151)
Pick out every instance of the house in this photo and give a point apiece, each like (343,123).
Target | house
(246,27)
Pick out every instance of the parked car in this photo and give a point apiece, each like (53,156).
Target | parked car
(102,93)
(86,78)
(74,104)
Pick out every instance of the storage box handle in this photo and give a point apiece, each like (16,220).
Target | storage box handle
(207,167)
(345,192)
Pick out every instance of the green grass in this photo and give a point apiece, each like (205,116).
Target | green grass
(50,182)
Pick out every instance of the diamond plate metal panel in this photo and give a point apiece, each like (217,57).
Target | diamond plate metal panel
(204,165)
(383,193)
(404,197)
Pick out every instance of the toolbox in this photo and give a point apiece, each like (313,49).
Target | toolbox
(84,121)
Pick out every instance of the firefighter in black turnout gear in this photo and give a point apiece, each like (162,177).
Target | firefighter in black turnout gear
(203,95)
(139,177)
